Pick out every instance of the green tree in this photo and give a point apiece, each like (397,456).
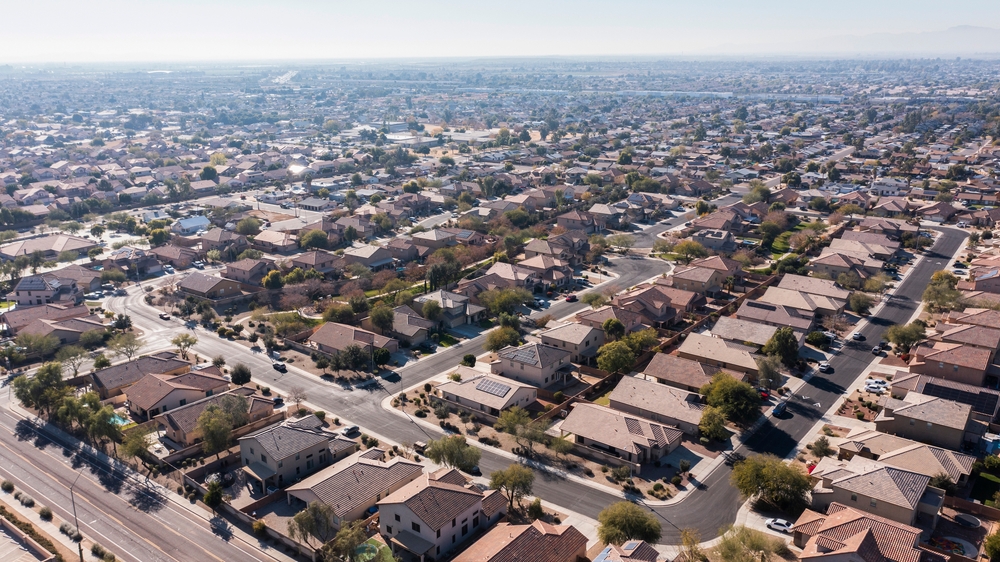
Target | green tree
(514,482)
(501,337)
(625,521)
(184,342)
(216,430)
(906,336)
(44,391)
(768,478)
(240,374)
(992,546)
(101,361)
(941,293)
(273,280)
(159,236)
(315,521)
(431,310)
(517,422)
(507,300)
(560,446)
(97,231)
(783,344)
(594,300)
(621,241)
(454,452)
(249,226)
(115,276)
(768,370)
(641,340)
(103,426)
(689,250)
(135,444)
(209,173)
(313,239)
(125,344)
(713,424)
(613,329)
(72,356)
(382,318)
(739,401)
(348,539)
(213,495)
(860,302)
(42,345)
(615,357)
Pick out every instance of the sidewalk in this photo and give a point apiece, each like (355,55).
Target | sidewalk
(169,495)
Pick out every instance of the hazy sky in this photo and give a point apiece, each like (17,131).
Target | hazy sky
(219,30)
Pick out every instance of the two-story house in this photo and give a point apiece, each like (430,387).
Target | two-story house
(47,288)
(154,394)
(436,513)
(580,340)
(285,452)
(534,363)
(249,271)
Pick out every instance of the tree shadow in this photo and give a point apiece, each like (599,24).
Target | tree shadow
(146,498)
(221,528)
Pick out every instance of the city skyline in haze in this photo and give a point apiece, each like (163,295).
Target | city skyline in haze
(255,30)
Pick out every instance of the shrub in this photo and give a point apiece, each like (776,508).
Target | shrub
(469,360)
(588,472)
(7,486)
(27,501)
(559,397)
(259,528)
(108,557)
(684,465)
(535,510)
(180,490)
(676,480)
(45,513)
(336,421)
(860,415)
(658,487)
(320,414)
(420,413)
(97,550)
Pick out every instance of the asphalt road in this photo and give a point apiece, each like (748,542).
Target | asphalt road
(114,507)
(706,509)
(646,238)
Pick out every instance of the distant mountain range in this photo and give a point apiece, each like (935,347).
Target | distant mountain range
(962,40)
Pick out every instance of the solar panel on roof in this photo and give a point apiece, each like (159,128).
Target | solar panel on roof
(631,545)
(493,387)
(981,402)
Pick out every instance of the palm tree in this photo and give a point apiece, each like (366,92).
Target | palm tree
(729,283)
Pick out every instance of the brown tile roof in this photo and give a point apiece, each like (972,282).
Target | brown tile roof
(22,316)
(684,372)
(185,418)
(625,432)
(436,498)
(150,389)
(655,397)
(538,542)
(339,336)
(131,371)
(631,551)
(844,530)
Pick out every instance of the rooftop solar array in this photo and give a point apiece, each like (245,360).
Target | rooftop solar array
(493,387)
(981,402)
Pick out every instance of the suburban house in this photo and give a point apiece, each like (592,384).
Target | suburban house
(275,242)
(618,435)
(224,241)
(697,279)
(47,288)
(909,455)
(355,484)
(814,286)
(191,225)
(551,271)
(434,239)
(374,258)
(985,402)
(480,393)
(323,262)
(651,302)
(631,551)
(249,271)
(719,353)
(66,330)
(577,220)
(156,393)
(111,381)
(409,326)
(658,402)
(456,309)
(538,541)
(953,361)
(436,513)
(747,332)
(718,240)
(175,256)
(597,318)
(847,533)
(684,374)
(534,363)
(834,264)
(580,340)
(208,286)
(334,338)
(88,279)
(571,246)
(285,452)
(927,419)
(775,315)
(50,246)
(868,485)
(805,303)
(180,425)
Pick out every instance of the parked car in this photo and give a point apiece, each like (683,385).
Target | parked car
(779,409)
(824,367)
(571,298)
(877,349)
(874,388)
(277,400)
(198,264)
(280,367)
(779,525)
(164,316)
(350,430)
(858,336)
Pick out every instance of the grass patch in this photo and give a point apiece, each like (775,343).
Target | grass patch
(985,488)
(94,304)
(604,400)
(447,340)
(374,551)
(486,324)
(780,245)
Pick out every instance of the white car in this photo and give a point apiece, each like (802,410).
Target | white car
(874,388)
(779,525)
(876,382)
(824,367)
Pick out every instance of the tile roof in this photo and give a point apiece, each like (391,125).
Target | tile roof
(813,286)
(479,388)
(356,480)
(717,350)
(535,354)
(436,498)
(538,542)
(625,432)
(934,410)
(571,333)
(735,329)
(201,283)
(291,436)
(23,316)
(655,397)
(909,455)
(131,371)
(844,530)
(774,314)
(685,372)
(150,389)
(339,336)
(185,418)
(631,551)
(406,321)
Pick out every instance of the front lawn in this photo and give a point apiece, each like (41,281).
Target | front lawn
(447,340)
(985,488)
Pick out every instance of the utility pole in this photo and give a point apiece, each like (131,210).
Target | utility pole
(76,522)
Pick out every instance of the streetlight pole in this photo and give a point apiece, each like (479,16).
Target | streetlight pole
(76,522)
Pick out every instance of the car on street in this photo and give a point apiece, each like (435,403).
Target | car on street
(779,409)
(571,298)
(959,272)
(120,292)
(94,296)
(350,430)
(764,393)
(475,471)
(280,367)
(877,349)
(779,525)
(198,264)
(858,336)
(164,316)
(824,367)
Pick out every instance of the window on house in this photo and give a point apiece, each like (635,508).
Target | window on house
(439,533)
(873,503)
(263,457)
(465,530)
(940,365)
(929,425)
(453,523)
(388,529)
(251,451)
(415,527)
(397,517)
(281,464)
(296,456)
(475,522)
